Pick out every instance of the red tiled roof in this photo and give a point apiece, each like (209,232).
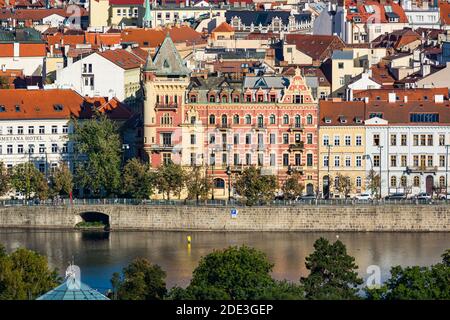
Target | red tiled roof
(39,104)
(318,47)
(6,49)
(123,58)
(126,2)
(378,8)
(334,110)
(154,37)
(417,94)
(223,27)
(444,9)
(32,50)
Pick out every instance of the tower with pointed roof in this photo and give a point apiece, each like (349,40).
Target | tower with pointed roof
(147,19)
(166,80)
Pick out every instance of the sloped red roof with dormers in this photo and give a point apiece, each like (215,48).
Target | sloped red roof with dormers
(373,11)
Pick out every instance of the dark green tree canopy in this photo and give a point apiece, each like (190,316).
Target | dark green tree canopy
(332,272)
(170,179)
(255,187)
(137,179)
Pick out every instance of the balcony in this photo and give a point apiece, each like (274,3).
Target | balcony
(166,106)
(237,168)
(422,169)
(296,128)
(259,127)
(223,126)
(161,147)
(299,146)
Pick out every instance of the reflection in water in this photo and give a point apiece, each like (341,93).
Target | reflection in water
(100,254)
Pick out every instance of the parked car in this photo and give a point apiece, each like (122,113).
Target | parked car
(444,196)
(307,197)
(396,196)
(422,196)
(364,196)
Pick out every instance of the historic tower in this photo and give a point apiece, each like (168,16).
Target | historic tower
(166,80)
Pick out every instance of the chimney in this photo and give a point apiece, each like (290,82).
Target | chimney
(405,99)
(438,98)
(392,97)
(4,67)
(366,99)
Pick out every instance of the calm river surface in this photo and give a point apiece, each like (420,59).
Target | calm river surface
(101,254)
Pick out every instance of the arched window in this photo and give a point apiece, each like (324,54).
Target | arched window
(403,181)
(297,120)
(272,119)
(212,119)
(166,119)
(309,119)
(236,119)
(416,181)
(212,98)
(224,119)
(248,119)
(358,182)
(260,120)
(442,182)
(393,181)
(285,119)
(219,183)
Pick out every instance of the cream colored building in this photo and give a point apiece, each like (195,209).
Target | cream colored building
(342,145)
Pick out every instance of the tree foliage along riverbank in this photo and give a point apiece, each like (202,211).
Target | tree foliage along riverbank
(238,273)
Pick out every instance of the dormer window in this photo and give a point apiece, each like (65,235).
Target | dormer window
(358,120)
(193,98)
(236,98)
(212,98)
(58,107)
(166,64)
(17,108)
(327,120)
(356,19)
(342,119)
(2,109)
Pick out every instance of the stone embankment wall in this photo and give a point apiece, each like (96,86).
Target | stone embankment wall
(295,218)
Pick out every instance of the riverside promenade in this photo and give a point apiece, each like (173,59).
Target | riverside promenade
(125,214)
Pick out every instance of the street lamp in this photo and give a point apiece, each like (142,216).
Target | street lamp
(228,172)
(125,148)
(381,148)
(213,162)
(327,196)
(446,171)
(367,156)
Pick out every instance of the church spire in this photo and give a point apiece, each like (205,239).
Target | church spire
(147,20)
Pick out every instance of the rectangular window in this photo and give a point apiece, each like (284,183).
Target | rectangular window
(285,138)
(272,138)
(326,140)
(193,139)
(41,148)
(248,139)
(326,161)
(9,149)
(441,161)
(393,139)
(236,139)
(65,129)
(358,140)
(167,158)
(348,161)
(416,161)
(19,130)
(248,159)
(416,140)
(298,159)
(224,158)
(404,161)
(337,141)
(41,130)
(212,139)
(31,148)
(403,141)
(347,140)
(30,130)
(430,140)
(309,160)
(212,159)
(430,161)
(358,161)
(54,148)
(193,158)
(20,148)
(423,140)
(442,139)
(393,161)
(236,159)
(260,159)
(285,159)
(337,161)
(376,160)
(167,139)
(272,159)
(54,129)
(376,139)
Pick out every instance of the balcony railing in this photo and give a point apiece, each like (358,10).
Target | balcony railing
(423,168)
(166,105)
(297,146)
(296,127)
(162,147)
(259,127)
(223,126)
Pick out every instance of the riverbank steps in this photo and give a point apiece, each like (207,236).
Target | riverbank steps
(432,218)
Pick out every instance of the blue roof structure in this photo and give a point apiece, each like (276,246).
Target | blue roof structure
(73,289)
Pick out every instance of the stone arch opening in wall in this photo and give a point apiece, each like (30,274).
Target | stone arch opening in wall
(93,217)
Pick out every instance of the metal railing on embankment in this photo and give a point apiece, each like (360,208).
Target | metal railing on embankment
(218,203)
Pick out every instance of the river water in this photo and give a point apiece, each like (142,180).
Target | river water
(100,254)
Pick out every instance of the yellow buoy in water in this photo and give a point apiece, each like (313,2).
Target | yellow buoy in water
(189,239)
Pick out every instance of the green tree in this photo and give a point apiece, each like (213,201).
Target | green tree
(234,273)
(4,83)
(332,272)
(25,275)
(282,290)
(137,179)
(61,180)
(373,182)
(28,180)
(140,280)
(98,148)
(5,183)
(197,184)
(344,184)
(415,283)
(446,257)
(255,187)
(170,179)
(292,187)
